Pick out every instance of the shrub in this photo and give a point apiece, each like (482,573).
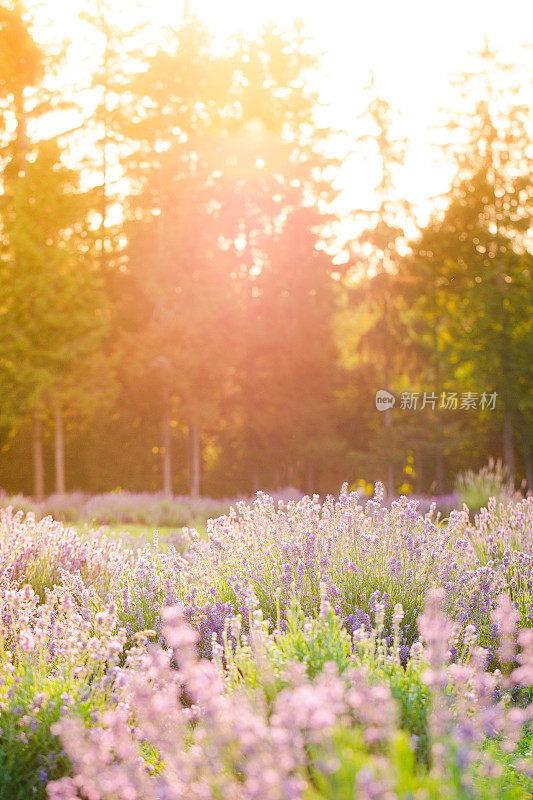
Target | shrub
(476,488)
(332,737)
(56,659)
(362,555)
(122,508)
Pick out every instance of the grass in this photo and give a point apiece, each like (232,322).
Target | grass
(137,535)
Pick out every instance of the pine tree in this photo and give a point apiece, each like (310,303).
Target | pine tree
(175,119)
(276,181)
(115,57)
(48,289)
(227,150)
(52,308)
(374,259)
(473,259)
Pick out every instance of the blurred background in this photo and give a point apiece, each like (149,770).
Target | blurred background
(225,227)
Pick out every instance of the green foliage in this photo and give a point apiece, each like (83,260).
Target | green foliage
(314,641)
(354,759)
(51,303)
(33,699)
(404,779)
(322,640)
(476,488)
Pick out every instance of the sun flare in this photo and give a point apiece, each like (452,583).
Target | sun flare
(389,39)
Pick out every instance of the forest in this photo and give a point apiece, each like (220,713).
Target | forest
(181,308)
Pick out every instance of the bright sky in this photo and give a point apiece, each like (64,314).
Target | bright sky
(412,46)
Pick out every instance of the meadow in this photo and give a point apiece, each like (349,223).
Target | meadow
(304,649)
(242,246)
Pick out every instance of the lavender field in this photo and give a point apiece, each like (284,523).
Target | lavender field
(302,650)
(266,246)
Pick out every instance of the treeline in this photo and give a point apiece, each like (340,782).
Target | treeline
(193,321)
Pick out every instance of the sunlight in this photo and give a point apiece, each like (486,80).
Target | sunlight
(352,40)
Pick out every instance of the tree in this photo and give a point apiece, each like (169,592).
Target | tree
(117,56)
(295,378)
(227,149)
(52,308)
(173,252)
(472,259)
(273,166)
(374,259)
(21,67)
(44,239)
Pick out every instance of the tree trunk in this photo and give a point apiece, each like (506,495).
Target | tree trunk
(194,458)
(528,465)
(508,445)
(419,471)
(21,142)
(166,453)
(439,468)
(390,479)
(310,479)
(38,463)
(59,450)
(389,489)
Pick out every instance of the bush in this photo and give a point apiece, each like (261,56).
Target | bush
(362,556)
(476,488)
(123,508)
(336,736)
(54,661)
